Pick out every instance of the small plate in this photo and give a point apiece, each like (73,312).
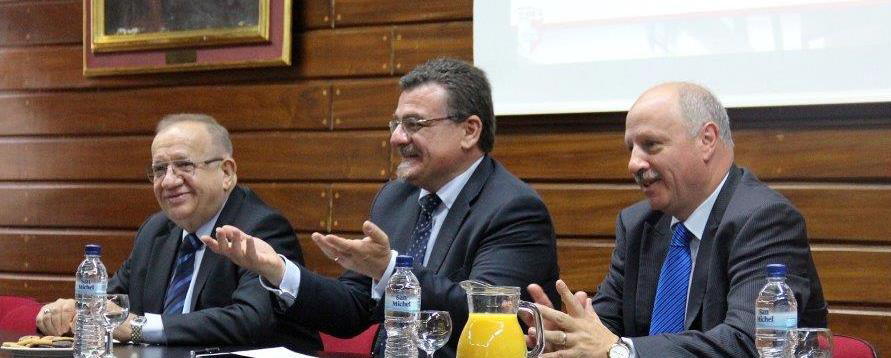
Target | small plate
(39,352)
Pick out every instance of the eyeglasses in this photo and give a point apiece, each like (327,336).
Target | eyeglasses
(413,124)
(158,171)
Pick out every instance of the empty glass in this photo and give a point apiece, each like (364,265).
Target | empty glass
(812,342)
(434,330)
(117,308)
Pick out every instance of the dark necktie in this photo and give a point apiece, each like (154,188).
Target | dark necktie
(671,293)
(417,250)
(182,276)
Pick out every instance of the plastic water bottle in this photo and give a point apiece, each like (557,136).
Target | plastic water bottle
(401,306)
(89,292)
(776,312)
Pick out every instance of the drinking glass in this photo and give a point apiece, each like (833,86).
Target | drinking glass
(812,342)
(117,308)
(434,330)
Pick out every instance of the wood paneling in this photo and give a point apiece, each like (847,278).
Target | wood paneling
(315,14)
(852,274)
(583,262)
(344,52)
(415,44)
(314,156)
(793,154)
(40,23)
(365,12)
(251,107)
(351,205)
(315,260)
(364,104)
(60,251)
(849,212)
(113,206)
(75,158)
(871,325)
(588,210)
(45,288)
(307,206)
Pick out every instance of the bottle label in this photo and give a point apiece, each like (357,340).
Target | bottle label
(402,303)
(785,320)
(83,288)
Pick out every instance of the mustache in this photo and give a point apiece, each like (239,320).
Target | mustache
(408,150)
(646,176)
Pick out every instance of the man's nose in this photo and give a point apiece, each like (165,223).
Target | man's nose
(398,137)
(637,161)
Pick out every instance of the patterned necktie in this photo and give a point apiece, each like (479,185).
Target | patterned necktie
(671,294)
(182,276)
(417,250)
(421,234)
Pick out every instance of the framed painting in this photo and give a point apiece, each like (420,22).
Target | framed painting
(144,36)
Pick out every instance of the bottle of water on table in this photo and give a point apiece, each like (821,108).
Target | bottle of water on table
(402,303)
(776,313)
(90,286)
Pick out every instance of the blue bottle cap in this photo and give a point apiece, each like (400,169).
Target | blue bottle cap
(92,249)
(404,261)
(776,270)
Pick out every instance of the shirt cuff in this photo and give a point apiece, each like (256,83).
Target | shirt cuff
(631,352)
(153,329)
(290,286)
(379,287)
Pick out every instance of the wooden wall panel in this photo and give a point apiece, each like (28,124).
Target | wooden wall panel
(871,325)
(75,158)
(40,23)
(587,210)
(60,251)
(583,262)
(315,259)
(570,156)
(112,206)
(351,206)
(415,44)
(251,107)
(44,288)
(315,156)
(307,206)
(849,212)
(366,12)
(344,52)
(315,14)
(364,104)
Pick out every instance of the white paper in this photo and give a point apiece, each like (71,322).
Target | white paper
(280,352)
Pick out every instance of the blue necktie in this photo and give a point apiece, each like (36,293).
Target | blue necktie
(182,276)
(417,250)
(421,234)
(671,294)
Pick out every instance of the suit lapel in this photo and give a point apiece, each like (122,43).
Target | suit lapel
(164,253)
(653,249)
(458,212)
(210,260)
(706,248)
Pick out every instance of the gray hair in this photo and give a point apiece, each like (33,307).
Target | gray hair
(699,106)
(218,133)
(469,92)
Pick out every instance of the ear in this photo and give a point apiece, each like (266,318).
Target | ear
(229,169)
(708,140)
(473,128)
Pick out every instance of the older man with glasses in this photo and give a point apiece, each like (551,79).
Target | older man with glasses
(180,293)
(457,211)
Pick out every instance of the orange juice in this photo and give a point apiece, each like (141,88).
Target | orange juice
(492,335)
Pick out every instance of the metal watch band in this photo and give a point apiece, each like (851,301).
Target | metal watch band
(136,329)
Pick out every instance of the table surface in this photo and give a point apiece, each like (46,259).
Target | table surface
(143,351)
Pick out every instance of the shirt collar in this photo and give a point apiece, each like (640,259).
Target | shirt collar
(208,226)
(448,193)
(697,220)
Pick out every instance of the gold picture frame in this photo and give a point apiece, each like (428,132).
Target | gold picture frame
(253,27)
(264,43)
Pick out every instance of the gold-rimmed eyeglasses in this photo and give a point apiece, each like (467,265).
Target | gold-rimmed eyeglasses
(158,171)
(413,124)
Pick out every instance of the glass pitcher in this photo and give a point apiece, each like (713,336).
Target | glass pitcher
(492,329)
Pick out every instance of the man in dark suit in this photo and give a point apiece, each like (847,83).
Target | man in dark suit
(180,293)
(456,210)
(690,260)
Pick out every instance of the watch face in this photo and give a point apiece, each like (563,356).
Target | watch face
(619,351)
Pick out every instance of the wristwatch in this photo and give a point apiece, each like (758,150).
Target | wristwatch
(620,349)
(136,329)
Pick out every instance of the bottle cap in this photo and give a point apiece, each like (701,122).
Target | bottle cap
(776,270)
(92,249)
(404,261)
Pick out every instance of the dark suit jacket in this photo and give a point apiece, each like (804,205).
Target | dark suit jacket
(749,227)
(497,231)
(229,305)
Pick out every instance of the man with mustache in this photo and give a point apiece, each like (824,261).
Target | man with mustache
(456,210)
(690,259)
(180,293)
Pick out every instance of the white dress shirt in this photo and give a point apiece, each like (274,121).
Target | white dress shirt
(290,286)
